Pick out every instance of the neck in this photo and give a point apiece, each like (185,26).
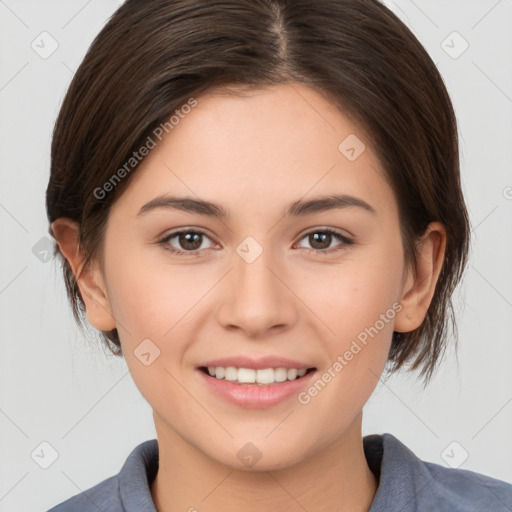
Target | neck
(336,478)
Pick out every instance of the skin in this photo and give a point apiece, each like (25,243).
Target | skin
(255,155)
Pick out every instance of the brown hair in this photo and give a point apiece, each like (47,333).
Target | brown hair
(153,56)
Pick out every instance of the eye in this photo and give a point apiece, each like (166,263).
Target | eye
(191,242)
(188,241)
(321,239)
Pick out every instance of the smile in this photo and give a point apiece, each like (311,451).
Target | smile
(255,388)
(262,377)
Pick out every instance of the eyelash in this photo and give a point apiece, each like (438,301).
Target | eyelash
(164,242)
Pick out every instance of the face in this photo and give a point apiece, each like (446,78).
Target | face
(284,279)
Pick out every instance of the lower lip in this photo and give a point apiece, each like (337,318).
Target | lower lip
(252,396)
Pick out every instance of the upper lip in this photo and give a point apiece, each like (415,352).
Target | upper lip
(257,364)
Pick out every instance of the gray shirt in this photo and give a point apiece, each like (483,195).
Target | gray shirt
(406,484)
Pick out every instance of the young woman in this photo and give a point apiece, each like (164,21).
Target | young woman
(258,205)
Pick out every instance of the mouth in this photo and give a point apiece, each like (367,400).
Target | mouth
(255,377)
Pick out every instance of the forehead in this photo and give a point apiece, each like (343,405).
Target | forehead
(275,145)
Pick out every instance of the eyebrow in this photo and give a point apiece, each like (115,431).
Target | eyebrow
(298,208)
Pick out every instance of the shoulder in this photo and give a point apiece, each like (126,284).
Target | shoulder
(417,485)
(128,490)
(103,496)
(461,489)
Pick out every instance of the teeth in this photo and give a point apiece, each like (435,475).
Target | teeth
(249,376)
(292,374)
(231,373)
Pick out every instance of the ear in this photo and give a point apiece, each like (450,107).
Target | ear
(420,282)
(89,279)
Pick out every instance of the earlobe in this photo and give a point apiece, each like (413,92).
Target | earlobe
(420,283)
(89,278)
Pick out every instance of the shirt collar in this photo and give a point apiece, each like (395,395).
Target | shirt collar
(136,476)
(401,477)
(391,461)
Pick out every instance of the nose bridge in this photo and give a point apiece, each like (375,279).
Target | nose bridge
(254,281)
(253,275)
(257,300)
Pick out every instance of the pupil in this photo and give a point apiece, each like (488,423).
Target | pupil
(315,237)
(190,241)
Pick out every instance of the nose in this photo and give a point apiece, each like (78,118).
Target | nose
(256,298)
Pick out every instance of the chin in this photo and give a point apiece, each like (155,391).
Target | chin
(252,459)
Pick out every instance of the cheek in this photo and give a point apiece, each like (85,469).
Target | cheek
(148,298)
(355,294)
(151,303)
(357,303)
(361,316)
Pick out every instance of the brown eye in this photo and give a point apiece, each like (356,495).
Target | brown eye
(190,241)
(185,241)
(320,241)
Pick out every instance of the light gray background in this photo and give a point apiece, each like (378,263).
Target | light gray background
(60,388)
